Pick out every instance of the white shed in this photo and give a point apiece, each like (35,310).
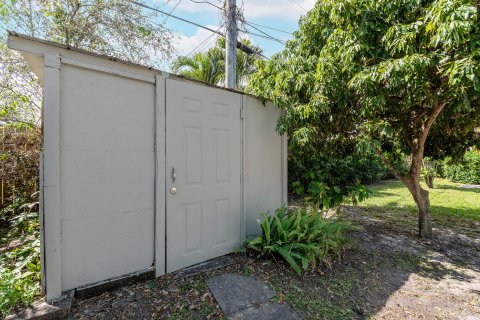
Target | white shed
(143,169)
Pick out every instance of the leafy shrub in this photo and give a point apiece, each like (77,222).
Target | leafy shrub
(305,164)
(16,288)
(467,170)
(325,197)
(328,181)
(20,262)
(302,238)
(20,156)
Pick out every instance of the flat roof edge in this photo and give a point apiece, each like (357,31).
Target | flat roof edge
(13,34)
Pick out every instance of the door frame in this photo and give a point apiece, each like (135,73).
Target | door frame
(160,181)
(159,218)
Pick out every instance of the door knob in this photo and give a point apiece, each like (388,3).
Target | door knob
(173,190)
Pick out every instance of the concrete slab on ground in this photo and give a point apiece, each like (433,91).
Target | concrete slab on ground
(266,311)
(241,297)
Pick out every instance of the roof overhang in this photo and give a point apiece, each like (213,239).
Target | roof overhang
(34,51)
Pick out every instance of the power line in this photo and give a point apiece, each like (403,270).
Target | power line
(171,11)
(263,26)
(200,45)
(175,17)
(264,33)
(240,45)
(298,5)
(203,43)
(211,42)
(244,21)
(208,2)
(261,36)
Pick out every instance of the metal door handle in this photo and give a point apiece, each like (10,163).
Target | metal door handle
(173,174)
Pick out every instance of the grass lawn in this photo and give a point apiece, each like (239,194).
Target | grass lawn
(449,203)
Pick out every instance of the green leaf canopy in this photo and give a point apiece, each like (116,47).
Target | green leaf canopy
(371,73)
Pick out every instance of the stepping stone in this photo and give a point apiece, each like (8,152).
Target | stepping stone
(266,311)
(235,292)
(242,297)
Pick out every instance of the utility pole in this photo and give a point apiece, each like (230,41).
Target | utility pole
(231,45)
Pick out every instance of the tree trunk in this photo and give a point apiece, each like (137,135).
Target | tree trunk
(424,216)
(421,197)
(429,181)
(412,179)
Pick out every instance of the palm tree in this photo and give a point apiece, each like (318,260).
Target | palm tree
(245,61)
(209,66)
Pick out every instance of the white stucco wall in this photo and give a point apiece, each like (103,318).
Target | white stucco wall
(103,175)
(107,175)
(264,171)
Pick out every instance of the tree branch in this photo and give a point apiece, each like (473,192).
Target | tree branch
(389,164)
(418,151)
(428,124)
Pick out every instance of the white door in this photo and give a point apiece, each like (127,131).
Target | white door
(203,167)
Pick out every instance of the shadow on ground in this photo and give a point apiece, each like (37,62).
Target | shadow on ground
(388,273)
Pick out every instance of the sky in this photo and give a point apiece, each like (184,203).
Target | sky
(279,14)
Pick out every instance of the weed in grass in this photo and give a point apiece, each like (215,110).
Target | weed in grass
(206,310)
(180,315)
(152,284)
(407,261)
(277,286)
(340,286)
(185,286)
(199,284)
(239,250)
(318,308)
(247,271)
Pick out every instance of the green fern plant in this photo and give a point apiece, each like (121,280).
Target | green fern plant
(302,238)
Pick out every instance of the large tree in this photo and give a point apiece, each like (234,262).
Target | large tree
(118,28)
(393,76)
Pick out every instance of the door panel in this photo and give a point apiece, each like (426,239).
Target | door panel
(203,139)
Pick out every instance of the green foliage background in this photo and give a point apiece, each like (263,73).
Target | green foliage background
(305,164)
(467,170)
(20,254)
(394,77)
(369,73)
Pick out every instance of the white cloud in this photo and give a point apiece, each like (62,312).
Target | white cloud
(204,38)
(253,9)
(283,9)
(189,6)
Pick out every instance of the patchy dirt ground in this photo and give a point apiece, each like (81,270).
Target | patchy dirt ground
(388,273)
